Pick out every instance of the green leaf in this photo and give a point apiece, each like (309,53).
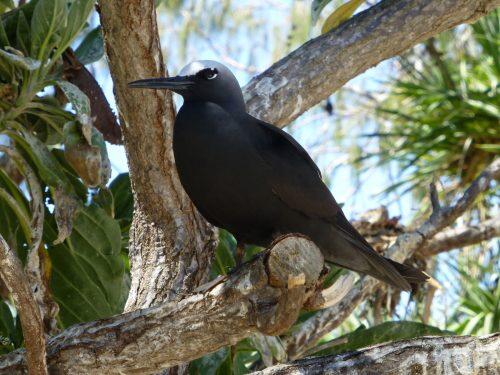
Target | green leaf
(77,17)
(340,15)
(46,164)
(88,272)
(6,4)
(210,364)
(23,34)
(48,17)
(91,49)
(224,258)
(81,105)
(20,61)
(104,199)
(7,328)
(385,332)
(4,40)
(122,197)
(52,173)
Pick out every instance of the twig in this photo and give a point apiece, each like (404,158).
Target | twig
(11,272)
(456,238)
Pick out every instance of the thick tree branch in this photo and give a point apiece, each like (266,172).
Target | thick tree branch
(425,355)
(324,64)
(456,238)
(171,245)
(406,244)
(11,272)
(264,295)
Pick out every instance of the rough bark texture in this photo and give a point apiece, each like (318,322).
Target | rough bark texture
(460,237)
(406,244)
(12,274)
(426,355)
(258,297)
(324,64)
(170,243)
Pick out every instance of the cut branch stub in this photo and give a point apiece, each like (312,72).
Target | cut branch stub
(293,267)
(296,261)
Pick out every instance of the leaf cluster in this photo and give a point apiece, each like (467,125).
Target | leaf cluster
(54,166)
(442,116)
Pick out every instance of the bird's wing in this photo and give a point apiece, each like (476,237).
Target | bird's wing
(293,175)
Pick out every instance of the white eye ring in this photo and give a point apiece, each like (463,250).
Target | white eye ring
(211,75)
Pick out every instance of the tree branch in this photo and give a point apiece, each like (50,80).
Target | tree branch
(425,355)
(264,295)
(406,244)
(324,64)
(456,238)
(171,245)
(11,272)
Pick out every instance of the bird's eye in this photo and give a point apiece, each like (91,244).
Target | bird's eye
(210,73)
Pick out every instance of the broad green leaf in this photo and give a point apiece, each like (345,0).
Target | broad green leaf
(210,364)
(122,198)
(10,19)
(15,205)
(4,40)
(7,329)
(385,332)
(91,49)
(104,199)
(6,4)
(48,17)
(341,14)
(52,173)
(78,14)
(224,254)
(88,273)
(20,61)
(23,34)
(47,165)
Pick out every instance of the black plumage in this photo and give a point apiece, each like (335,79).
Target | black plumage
(255,180)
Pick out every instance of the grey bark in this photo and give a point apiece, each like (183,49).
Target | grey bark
(449,355)
(324,64)
(462,236)
(170,243)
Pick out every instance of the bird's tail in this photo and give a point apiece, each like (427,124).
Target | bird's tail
(411,274)
(347,248)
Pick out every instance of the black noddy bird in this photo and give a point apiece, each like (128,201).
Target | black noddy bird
(255,180)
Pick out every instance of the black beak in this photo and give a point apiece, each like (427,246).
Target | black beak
(171,83)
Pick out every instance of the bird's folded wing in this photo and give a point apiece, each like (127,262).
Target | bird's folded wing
(293,175)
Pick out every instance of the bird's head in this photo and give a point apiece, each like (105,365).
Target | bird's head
(202,80)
